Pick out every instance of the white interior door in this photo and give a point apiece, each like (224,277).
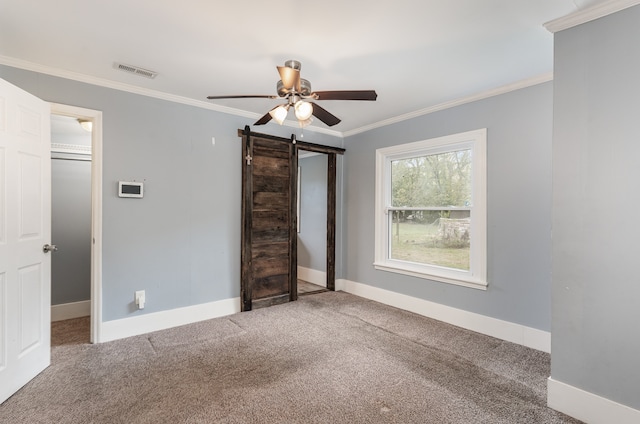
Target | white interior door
(25,227)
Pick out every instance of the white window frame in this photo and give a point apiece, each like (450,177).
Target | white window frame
(476,276)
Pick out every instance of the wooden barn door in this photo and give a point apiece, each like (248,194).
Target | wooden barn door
(269,238)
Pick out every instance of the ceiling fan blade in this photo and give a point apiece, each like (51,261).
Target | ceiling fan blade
(290,77)
(244,96)
(345,95)
(266,118)
(324,115)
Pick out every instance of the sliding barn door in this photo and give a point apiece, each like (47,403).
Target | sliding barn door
(269,239)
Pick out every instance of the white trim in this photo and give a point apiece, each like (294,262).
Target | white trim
(405,268)
(70,310)
(103,82)
(96,208)
(75,149)
(588,407)
(142,324)
(589,14)
(504,330)
(529,82)
(312,276)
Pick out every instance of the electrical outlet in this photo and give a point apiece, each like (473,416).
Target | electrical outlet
(140,299)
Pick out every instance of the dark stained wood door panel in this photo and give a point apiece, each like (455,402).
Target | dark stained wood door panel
(269,199)
(269,239)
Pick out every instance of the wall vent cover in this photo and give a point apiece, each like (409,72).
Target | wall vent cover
(135,70)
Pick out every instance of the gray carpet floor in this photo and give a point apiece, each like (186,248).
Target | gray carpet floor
(327,358)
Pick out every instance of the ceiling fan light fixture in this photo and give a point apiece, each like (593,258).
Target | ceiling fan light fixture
(279,114)
(305,122)
(303,110)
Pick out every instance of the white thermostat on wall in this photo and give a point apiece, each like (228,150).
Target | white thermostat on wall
(130,189)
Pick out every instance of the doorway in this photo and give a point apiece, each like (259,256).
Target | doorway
(81,158)
(311,223)
(71,219)
(331,155)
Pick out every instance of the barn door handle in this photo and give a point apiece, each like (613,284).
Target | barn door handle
(49,248)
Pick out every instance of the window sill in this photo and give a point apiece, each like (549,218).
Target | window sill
(420,272)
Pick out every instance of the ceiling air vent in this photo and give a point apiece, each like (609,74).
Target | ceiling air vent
(135,70)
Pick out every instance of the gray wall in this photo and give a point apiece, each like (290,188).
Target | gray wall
(519,205)
(596,288)
(181,243)
(312,238)
(70,230)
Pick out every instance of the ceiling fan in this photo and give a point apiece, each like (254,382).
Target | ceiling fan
(297,93)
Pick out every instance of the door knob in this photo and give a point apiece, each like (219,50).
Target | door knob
(49,248)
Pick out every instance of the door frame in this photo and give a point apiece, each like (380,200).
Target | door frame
(94,116)
(331,153)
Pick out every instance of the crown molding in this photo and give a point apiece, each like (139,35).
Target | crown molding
(589,14)
(458,102)
(75,76)
(103,82)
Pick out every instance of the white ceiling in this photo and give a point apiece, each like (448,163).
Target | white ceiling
(67,130)
(416,54)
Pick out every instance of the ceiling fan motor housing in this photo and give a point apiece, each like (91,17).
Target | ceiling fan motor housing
(305,89)
(294,64)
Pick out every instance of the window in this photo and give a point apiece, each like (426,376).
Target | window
(431,209)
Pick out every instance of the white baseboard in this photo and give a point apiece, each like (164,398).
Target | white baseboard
(313,276)
(505,330)
(587,406)
(141,324)
(70,310)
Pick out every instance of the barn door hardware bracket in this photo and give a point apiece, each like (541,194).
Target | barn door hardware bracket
(247,135)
